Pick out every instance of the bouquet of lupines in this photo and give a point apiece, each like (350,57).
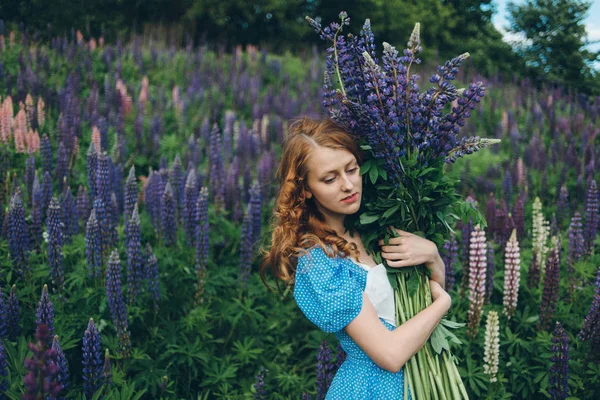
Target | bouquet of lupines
(407,137)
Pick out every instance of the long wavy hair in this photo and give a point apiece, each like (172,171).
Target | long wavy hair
(297,223)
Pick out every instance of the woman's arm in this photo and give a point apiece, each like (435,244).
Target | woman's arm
(438,270)
(392,349)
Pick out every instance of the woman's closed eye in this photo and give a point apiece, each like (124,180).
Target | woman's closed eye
(350,171)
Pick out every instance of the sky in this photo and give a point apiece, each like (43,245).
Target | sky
(592,21)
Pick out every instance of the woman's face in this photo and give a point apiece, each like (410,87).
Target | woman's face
(334,175)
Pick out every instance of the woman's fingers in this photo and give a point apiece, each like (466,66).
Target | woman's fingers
(393,256)
(400,263)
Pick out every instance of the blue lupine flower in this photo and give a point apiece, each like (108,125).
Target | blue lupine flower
(62,163)
(562,208)
(324,369)
(152,276)
(131,193)
(46,151)
(259,385)
(559,372)
(116,303)
(550,291)
(591,217)
(93,247)
(177,182)
(134,256)
(29,175)
(518,215)
(36,212)
(61,360)
(255,211)
(106,369)
(589,330)
(217,168)
(83,203)
(167,216)
(18,235)
(92,360)
(45,311)
(3,316)
(190,217)
(55,228)
(103,223)
(245,250)
(450,257)
(3,368)
(69,210)
(14,314)
(92,166)
(46,194)
(103,181)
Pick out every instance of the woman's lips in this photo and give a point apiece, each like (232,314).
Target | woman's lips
(350,199)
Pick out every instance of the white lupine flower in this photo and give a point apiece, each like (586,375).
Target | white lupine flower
(477,270)
(540,233)
(492,346)
(512,275)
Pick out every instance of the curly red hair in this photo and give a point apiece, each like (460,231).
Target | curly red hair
(297,223)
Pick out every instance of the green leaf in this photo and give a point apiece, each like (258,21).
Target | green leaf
(373,174)
(391,210)
(366,218)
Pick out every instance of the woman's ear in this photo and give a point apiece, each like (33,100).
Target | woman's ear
(308,194)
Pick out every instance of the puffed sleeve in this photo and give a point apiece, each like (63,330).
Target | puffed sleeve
(325,291)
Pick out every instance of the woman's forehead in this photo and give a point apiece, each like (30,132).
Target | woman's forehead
(325,159)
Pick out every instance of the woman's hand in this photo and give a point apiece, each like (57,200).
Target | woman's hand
(409,250)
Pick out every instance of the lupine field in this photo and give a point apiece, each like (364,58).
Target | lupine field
(137,183)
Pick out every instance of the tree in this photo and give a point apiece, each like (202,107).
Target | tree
(554,49)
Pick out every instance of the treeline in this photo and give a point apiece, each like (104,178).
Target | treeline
(448,27)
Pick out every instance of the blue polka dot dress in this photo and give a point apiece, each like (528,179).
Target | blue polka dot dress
(329,292)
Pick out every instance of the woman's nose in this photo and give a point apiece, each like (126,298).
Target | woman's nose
(346,182)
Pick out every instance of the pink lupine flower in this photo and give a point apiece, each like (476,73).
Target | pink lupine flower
(20,131)
(29,109)
(6,119)
(93,44)
(143,97)
(41,113)
(32,140)
(477,271)
(512,275)
(125,98)
(96,138)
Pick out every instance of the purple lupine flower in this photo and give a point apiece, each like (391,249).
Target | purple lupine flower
(324,369)
(340,357)
(18,235)
(3,368)
(103,181)
(3,317)
(150,198)
(507,186)
(177,183)
(45,311)
(46,194)
(118,187)
(255,210)
(29,175)
(190,217)
(217,168)
(202,241)
(14,314)
(113,222)
(559,372)
(36,212)
(550,292)
(167,216)
(477,268)
(116,303)
(134,256)
(131,193)
(232,189)
(62,163)
(42,379)
(245,250)
(103,223)
(562,207)
(589,329)
(518,216)
(450,258)
(490,215)
(92,360)
(83,203)
(92,166)
(93,247)
(489,277)
(575,249)
(512,275)
(259,385)
(46,151)
(591,217)
(69,211)
(501,223)
(152,275)
(306,396)
(61,360)
(107,369)
(55,228)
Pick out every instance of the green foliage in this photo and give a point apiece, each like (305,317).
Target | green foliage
(556,37)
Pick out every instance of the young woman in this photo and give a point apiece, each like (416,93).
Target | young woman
(336,283)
